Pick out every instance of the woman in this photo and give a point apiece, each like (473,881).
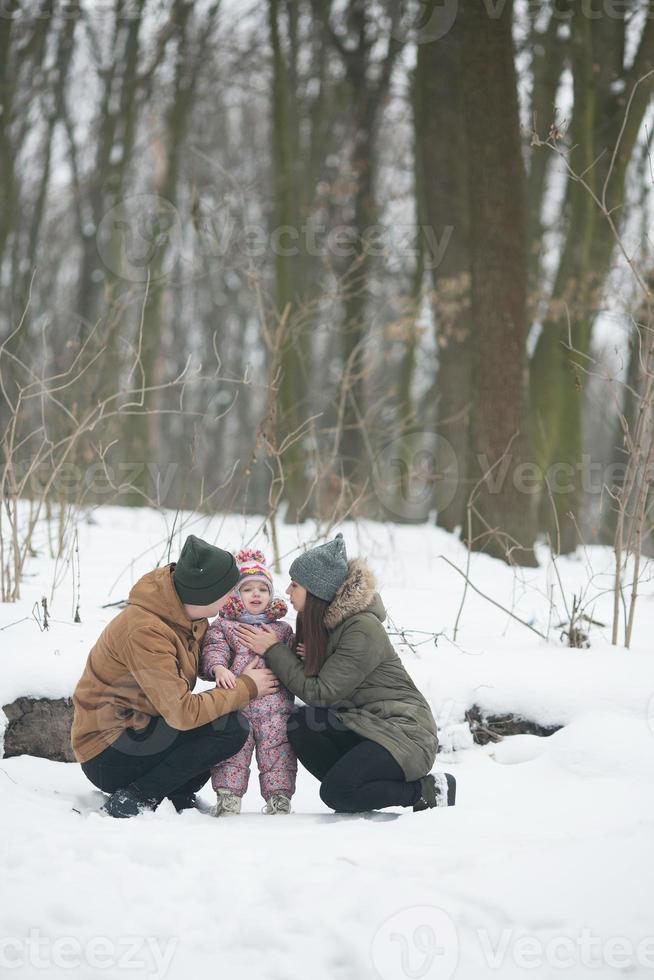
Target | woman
(366,732)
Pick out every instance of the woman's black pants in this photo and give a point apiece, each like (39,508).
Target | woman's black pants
(160,761)
(355,773)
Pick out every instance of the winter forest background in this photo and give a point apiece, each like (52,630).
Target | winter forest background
(319,259)
(269,270)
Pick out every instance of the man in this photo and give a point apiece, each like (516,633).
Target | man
(138,731)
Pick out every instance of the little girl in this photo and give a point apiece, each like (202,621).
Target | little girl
(224,657)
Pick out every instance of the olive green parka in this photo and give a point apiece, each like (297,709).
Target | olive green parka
(362,677)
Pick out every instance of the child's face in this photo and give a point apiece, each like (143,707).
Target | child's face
(255,596)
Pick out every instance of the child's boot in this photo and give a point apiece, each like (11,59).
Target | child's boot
(227,803)
(278,803)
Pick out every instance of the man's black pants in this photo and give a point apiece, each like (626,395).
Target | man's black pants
(160,761)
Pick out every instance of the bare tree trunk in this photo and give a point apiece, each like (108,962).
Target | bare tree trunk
(503,520)
(444,215)
(602,85)
(549,52)
(369,79)
(626,422)
(286,214)
(142,440)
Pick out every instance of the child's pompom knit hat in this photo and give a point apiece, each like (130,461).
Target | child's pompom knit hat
(252,567)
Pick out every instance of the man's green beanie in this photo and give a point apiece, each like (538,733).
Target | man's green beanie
(204,573)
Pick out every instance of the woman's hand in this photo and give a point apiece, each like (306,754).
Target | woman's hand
(300,650)
(257,639)
(265,680)
(224,677)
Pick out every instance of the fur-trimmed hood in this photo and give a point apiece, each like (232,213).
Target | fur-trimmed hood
(357,594)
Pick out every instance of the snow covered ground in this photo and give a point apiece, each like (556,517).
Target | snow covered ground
(543,868)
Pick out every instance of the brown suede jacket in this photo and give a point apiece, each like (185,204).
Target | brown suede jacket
(145,663)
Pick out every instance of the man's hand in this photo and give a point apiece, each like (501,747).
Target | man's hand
(265,680)
(224,677)
(300,650)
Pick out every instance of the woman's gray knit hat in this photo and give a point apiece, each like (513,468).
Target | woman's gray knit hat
(322,570)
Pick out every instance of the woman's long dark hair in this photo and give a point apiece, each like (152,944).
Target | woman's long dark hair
(310,630)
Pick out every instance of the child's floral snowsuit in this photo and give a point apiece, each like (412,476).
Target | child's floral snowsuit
(267,715)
